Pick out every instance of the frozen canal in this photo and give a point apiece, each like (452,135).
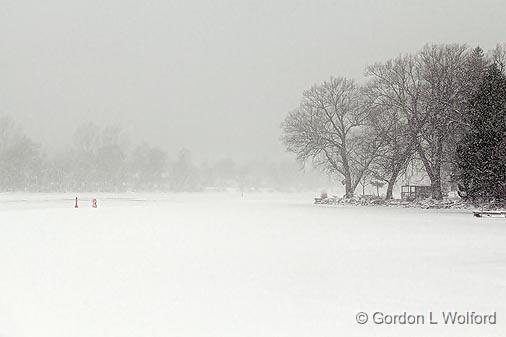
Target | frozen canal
(218,265)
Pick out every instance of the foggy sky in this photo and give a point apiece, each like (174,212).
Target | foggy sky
(216,77)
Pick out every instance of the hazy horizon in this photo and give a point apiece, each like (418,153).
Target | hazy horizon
(216,78)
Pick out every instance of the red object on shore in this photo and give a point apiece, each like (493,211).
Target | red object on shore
(76,205)
(94,203)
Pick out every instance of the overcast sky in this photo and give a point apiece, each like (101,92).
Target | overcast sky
(216,77)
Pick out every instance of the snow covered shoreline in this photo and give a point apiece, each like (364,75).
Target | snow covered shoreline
(374,201)
(12,200)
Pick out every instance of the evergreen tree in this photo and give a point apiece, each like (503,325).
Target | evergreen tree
(481,154)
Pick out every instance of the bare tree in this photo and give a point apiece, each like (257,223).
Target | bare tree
(498,56)
(378,184)
(443,70)
(98,159)
(364,181)
(397,149)
(327,127)
(148,167)
(394,91)
(184,174)
(428,89)
(86,138)
(9,132)
(20,159)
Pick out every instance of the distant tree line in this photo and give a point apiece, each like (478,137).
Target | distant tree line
(101,159)
(443,107)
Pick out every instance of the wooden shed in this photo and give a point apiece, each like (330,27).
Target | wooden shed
(412,192)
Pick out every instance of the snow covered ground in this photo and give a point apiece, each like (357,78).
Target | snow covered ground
(274,265)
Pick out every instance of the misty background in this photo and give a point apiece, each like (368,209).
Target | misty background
(215,78)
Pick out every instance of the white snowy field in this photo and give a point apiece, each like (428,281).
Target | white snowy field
(221,265)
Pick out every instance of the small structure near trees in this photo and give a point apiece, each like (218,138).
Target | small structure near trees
(412,192)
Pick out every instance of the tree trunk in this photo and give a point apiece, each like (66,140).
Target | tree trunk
(390,189)
(349,189)
(434,173)
(437,191)
(347,185)
(391,184)
(435,178)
